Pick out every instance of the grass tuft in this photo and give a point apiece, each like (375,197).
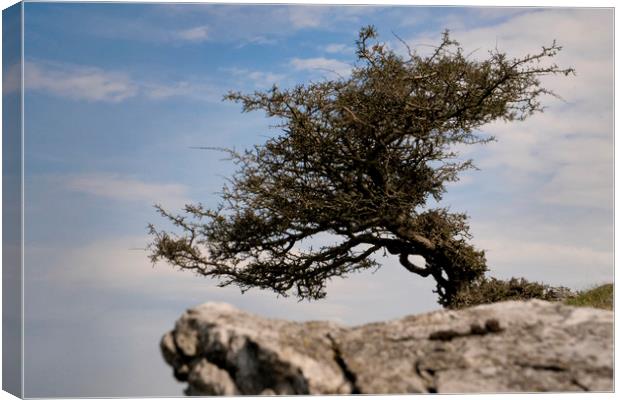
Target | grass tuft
(599,297)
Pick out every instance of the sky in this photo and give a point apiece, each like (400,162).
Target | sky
(117,94)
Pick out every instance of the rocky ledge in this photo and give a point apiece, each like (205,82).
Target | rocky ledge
(503,347)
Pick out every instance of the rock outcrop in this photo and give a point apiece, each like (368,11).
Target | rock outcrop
(504,347)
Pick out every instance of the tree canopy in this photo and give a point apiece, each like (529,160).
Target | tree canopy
(357,160)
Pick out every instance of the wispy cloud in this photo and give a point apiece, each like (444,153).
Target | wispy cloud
(160,91)
(11,79)
(196,34)
(121,188)
(190,24)
(258,40)
(321,64)
(322,16)
(582,185)
(93,84)
(200,91)
(260,79)
(79,82)
(338,48)
(163,30)
(306,17)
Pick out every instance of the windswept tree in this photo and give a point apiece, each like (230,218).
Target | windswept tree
(357,160)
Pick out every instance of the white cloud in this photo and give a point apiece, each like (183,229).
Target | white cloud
(264,78)
(12,79)
(335,48)
(338,48)
(159,91)
(328,16)
(88,83)
(257,40)
(554,264)
(262,40)
(581,185)
(321,64)
(571,142)
(306,16)
(196,34)
(79,82)
(120,188)
(260,79)
(194,90)
(546,185)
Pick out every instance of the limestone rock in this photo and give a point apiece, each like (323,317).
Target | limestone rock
(504,347)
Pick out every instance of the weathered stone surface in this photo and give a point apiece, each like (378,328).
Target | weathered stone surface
(504,347)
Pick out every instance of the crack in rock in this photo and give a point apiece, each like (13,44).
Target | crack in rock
(348,374)
(427,375)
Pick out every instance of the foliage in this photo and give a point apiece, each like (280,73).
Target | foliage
(491,290)
(598,297)
(357,160)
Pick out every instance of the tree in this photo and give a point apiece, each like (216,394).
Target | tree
(358,159)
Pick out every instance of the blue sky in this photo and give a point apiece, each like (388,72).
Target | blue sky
(116,94)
